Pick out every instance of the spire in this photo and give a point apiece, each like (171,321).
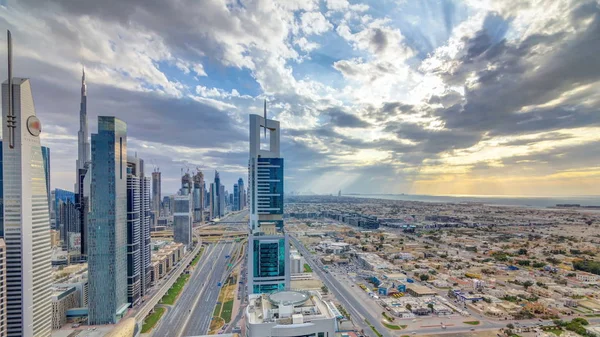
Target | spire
(83,85)
(11,120)
(265,118)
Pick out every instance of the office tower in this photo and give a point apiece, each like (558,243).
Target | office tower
(83,179)
(236,198)
(138,230)
(199,196)
(26,215)
(166,204)
(2,287)
(107,225)
(268,246)
(1,195)
(221,200)
(213,202)
(46,159)
(65,215)
(156,195)
(241,195)
(182,219)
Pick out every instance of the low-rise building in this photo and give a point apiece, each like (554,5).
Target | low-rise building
(289,313)
(63,299)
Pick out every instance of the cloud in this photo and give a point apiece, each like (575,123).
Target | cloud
(315,23)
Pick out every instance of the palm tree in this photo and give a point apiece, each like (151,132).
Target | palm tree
(430,306)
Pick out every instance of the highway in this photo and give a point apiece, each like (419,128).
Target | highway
(206,299)
(348,300)
(178,316)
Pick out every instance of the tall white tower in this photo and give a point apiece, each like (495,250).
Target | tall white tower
(83,144)
(268,246)
(26,216)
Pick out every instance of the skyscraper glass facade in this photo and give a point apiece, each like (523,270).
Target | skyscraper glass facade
(107,226)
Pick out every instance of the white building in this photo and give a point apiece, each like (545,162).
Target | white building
(26,214)
(289,313)
(372,261)
(587,277)
(268,243)
(63,299)
(296,263)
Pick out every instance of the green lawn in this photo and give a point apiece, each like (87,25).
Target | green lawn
(217,311)
(197,258)
(226,313)
(394,327)
(555,331)
(472,322)
(151,320)
(307,268)
(171,295)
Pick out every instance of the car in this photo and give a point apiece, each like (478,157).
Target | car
(472,329)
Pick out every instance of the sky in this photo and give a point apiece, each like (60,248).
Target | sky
(423,97)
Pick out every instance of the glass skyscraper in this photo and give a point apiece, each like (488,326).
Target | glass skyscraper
(268,244)
(138,231)
(46,159)
(107,225)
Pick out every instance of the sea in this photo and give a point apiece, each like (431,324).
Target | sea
(525,201)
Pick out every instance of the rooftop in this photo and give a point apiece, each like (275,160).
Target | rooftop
(287,307)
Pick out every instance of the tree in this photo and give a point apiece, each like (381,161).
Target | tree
(522,251)
(324,289)
(527,284)
(430,306)
(510,326)
(409,307)
(424,277)
(381,238)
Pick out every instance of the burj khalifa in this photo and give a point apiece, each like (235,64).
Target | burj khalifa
(82,186)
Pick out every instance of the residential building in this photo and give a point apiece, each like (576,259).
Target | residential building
(63,299)
(107,227)
(138,231)
(182,219)
(268,243)
(587,277)
(290,313)
(26,213)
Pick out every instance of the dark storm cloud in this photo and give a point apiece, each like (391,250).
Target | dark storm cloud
(585,155)
(343,119)
(150,117)
(534,71)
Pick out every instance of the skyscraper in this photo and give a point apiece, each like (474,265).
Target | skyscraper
(83,181)
(1,194)
(213,206)
(268,246)
(107,226)
(199,196)
(242,194)
(66,216)
(236,198)
(2,287)
(26,215)
(138,230)
(156,195)
(182,219)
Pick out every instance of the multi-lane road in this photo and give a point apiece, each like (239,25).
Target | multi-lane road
(192,312)
(348,300)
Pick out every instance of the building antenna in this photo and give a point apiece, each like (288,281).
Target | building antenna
(265,118)
(11,120)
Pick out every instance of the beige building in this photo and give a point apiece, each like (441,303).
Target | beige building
(63,299)
(54,238)
(2,288)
